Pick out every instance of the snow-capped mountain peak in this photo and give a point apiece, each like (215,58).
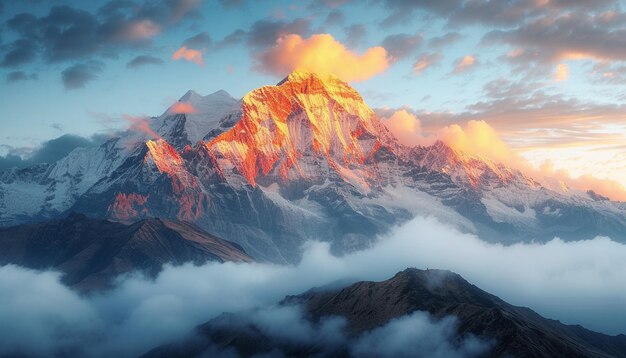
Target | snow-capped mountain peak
(304,123)
(304,159)
(194,115)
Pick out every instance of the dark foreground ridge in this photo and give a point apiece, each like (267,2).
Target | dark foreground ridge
(512,331)
(92,252)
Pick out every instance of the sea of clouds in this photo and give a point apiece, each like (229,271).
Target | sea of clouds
(578,282)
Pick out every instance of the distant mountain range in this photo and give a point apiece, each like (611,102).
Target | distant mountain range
(91,253)
(304,160)
(506,330)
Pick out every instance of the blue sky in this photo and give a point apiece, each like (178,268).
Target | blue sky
(516,46)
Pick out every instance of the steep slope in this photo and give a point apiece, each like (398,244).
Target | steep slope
(91,253)
(511,331)
(508,206)
(48,190)
(301,126)
(194,117)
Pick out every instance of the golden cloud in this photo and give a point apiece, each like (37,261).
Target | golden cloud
(182,108)
(478,138)
(561,73)
(465,63)
(407,128)
(322,54)
(188,54)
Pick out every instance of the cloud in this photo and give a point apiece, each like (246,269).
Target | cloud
(400,46)
(77,76)
(606,72)
(201,41)
(554,178)
(477,138)
(418,335)
(444,40)
(143,60)
(334,18)
(182,108)
(425,61)
(355,34)
(288,325)
(18,76)
(19,52)
(141,124)
(407,128)
(551,38)
(188,54)
(490,13)
(264,33)
(321,53)
(465,63)
(135,31)
(44,309)
(561,72)
(70,34)
(401,11)
(576,282)
(181,8)
(48,152)
(541,125)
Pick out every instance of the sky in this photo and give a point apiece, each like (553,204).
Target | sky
(546,75)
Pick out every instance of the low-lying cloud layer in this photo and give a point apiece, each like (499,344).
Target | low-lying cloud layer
(417,334)
(575,282)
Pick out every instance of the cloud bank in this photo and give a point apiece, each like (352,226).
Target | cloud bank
(575,282)
(414,335)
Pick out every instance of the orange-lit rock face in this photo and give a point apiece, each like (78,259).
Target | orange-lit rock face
(303,114)
(190,200)
(128,206)
(164,156)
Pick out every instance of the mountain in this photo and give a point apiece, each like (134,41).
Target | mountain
(92,252)
(46,191)
(510,331)
(306,159)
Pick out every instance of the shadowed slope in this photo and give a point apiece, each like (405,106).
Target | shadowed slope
(91,253)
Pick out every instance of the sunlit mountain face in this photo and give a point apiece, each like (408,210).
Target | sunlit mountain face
(332,188)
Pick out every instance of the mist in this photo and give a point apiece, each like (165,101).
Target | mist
(576,282)
(416,334)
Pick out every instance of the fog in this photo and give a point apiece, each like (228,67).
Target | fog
(576,282)
(415,335)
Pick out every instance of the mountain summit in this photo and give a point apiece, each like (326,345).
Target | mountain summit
(305,159)
(494,327)
(304,124)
